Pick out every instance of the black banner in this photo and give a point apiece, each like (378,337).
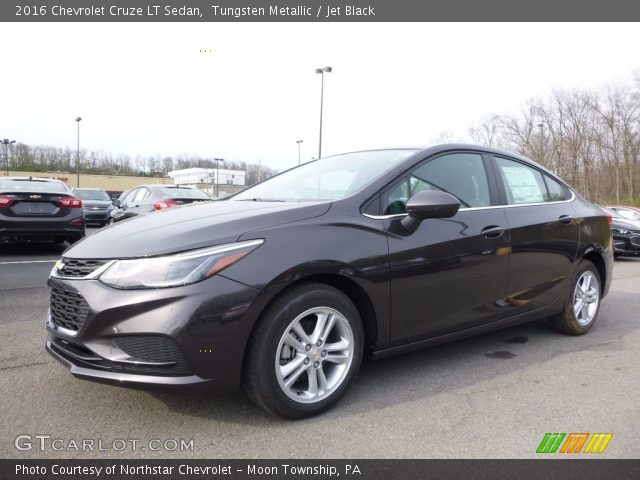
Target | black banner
(317,11)
(320,469)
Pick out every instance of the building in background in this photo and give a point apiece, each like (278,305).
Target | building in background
(221,181)
(193,176)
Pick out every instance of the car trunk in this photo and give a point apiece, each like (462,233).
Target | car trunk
(185,201)
(30,204)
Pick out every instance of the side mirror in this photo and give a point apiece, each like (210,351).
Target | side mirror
(116,203)
(429,204)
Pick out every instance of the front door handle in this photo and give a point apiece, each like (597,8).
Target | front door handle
(492,231)
(565,219)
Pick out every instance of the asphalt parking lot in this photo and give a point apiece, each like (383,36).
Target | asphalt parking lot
(493,396)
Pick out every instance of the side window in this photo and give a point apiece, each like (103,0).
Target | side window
(556,191)
(460,174)
(141,194)
(522,183)
(129,197)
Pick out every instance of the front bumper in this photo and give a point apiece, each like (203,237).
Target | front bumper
(626,245)
(97,215)
(11,228)
(174,338)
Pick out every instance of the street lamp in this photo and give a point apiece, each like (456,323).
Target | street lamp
(321,71)
(217,160)
(6,142)
(78,155)
(298,142)
(541,127)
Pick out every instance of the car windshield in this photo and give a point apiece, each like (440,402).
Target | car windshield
(329,178)
(25,185)
(177,192)
(92,195)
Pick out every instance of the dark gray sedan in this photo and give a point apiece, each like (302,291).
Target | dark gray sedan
(39,209)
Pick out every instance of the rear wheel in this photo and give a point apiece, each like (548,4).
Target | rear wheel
(583,304)
(304,352)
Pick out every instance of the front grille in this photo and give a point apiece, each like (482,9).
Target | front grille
(154,349)
(79,268)
(81,356)
(69,309)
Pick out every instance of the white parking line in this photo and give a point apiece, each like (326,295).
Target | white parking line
(29,261)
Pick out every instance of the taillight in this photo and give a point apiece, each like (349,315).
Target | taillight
(610,219)
(163,204)
(70,202)
(5,201)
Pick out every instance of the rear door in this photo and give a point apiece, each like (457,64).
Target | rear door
(544,234)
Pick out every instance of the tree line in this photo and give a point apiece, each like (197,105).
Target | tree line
(589,137)
(46,158)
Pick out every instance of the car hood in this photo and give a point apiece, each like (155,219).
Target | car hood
(188,227)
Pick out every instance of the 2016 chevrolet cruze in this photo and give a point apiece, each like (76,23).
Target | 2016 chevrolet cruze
(284,287)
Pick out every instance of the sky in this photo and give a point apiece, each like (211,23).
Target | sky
(249,91)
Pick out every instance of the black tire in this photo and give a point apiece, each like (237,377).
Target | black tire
(261,382)
(567,322)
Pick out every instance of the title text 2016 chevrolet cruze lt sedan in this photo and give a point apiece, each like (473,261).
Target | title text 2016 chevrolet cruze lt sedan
(284,287)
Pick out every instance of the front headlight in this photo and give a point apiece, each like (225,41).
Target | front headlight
(175,270)
(621,231)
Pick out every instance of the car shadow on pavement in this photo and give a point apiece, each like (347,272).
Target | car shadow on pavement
(31,249)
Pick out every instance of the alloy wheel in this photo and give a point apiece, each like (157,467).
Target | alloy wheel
(586,298)
(314,355)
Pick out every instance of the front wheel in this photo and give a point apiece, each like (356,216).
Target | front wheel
(304,352)
(583,304)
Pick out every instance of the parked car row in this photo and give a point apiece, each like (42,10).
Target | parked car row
(45,209)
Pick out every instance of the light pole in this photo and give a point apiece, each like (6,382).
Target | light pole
(6,142)
(218,160)
(298,142)
(321,71)
(541,127)
(78,119)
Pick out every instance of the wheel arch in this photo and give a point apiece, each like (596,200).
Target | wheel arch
(349,287)
(596,257)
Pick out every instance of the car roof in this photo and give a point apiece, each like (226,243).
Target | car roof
(628,207)
(87,188)
(165,185)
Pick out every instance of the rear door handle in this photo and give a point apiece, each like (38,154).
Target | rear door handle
(492,231)
(565,219)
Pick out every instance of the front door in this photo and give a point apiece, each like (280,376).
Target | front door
(450,274)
